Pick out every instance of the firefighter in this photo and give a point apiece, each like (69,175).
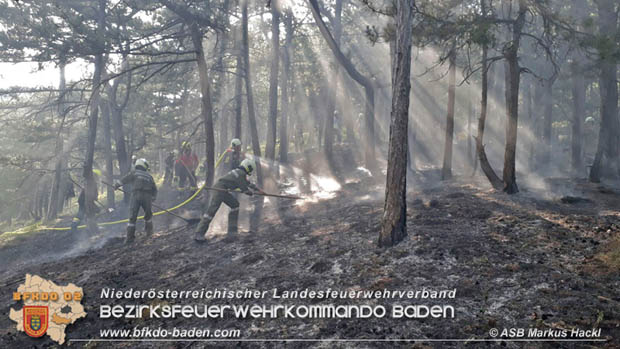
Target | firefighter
(235,179)
(144,191)
(234,154)
(186,165)
(128,191)
(82,203)
(169,168)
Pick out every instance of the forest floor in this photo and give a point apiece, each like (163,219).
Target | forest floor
(528,260)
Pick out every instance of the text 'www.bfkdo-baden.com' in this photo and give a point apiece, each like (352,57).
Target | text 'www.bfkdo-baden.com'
(168,333)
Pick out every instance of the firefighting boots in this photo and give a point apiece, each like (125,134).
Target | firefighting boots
(131,234)
(148,228)
(233,218)
(203,226)
(74,225)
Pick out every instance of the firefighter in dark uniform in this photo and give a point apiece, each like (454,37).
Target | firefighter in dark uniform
(144,191)
(82,203)
(235,179)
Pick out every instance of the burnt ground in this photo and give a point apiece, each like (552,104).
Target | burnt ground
(516,261)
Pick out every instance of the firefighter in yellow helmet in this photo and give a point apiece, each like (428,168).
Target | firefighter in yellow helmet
(235,179)
(234,155)
(144,191)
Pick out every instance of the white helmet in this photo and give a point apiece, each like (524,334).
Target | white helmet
(249,165)
(235,142)
(142,163)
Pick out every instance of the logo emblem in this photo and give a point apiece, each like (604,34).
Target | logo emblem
(36,319)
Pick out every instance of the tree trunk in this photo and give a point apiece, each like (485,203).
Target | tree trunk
(238,92)
(91,186)
(328,121)
(35,201)
(258,200)
(446,171)
(338,72)
(369,144)
(206,106)
(286,86)
(610,127)
(299,132)
(366,83)
(537,122)
(394,221)
(548,122)
(116,110)
(512,102)
(579,87)
(470,154)
(57,192)
(411,146)
(107,148)
(328,125)
(531,122)
(488,171)
(270,144)
(320,113)
(119,141)
(294,119)
(160,150)
(332,88)
(579,110)
(349,114)
(221,84)
(224,121)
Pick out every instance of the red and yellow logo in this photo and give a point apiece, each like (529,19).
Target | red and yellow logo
(36,319)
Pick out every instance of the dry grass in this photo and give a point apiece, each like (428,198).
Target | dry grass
(611,257)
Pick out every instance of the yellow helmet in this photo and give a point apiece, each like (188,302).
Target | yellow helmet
(249,165)
(142,163)
(97,172)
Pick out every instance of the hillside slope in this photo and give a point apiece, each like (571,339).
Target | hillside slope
(515,261)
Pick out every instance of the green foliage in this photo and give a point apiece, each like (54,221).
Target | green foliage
(481,33)
(607,47)
(163,108)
